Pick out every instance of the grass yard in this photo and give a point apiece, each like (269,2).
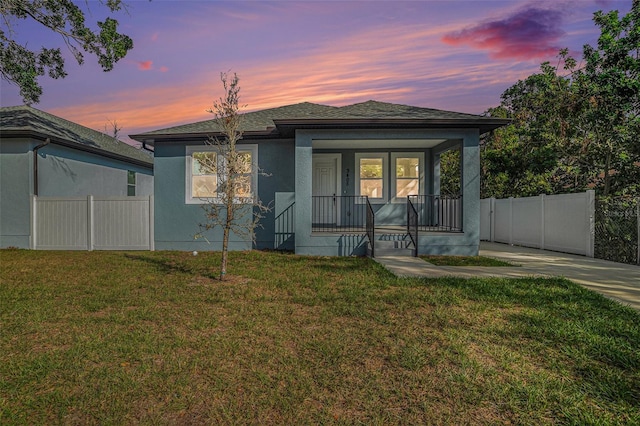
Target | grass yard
(153,338)
(464,261)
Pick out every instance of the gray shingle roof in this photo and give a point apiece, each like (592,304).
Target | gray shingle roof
(18,119)
(370,110)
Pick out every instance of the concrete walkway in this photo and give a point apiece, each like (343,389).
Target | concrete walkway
(614,280)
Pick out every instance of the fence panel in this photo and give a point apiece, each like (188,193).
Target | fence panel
(568,219)
(502,214)
(92,223)
(552,222)
(60,224)
(527,222)
(121,223)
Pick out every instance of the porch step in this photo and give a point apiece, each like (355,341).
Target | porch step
(387,246)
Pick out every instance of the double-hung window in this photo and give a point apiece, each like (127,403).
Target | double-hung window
(208,171)
(408,174)
(371,177)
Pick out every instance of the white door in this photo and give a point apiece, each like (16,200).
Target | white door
(325,188)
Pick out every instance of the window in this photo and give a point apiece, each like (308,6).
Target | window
(371,175)
(204,174)
(408,175)
(207,170)
(131,183)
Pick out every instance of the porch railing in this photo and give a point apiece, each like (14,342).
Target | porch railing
(438,212)
(371,227)
(338,213)
(412,225)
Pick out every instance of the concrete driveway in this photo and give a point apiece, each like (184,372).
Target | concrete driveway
(614,280)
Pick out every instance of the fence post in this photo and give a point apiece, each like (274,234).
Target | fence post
(90,222)
(542,222)
(591,214)
(492,219)
(34,223)
(152,238)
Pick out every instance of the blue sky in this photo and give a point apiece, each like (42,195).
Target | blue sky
(453,55)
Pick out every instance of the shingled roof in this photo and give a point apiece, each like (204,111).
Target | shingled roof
(26,121)
(306,112)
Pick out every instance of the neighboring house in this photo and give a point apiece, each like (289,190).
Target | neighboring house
(47,156)
(328,167)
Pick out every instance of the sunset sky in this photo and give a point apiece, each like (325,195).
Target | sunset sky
(453,55)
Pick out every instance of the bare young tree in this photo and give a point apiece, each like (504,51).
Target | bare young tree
(230,172)
(112,128)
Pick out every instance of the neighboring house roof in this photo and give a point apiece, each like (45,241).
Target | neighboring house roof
(281,120)
(26,121)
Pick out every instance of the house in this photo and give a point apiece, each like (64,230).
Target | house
(44,155)
(343,180)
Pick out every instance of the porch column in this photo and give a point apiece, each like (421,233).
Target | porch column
(303,188)
(436,174)
(470,186)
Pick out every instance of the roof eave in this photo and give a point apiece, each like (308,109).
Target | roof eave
(484,124)
(151,139)
(74,145)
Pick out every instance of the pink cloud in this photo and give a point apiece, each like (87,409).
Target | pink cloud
(530,33)
(145,65)
(164,69)
(154,37)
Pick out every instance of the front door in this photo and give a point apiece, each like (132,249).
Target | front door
(325,188)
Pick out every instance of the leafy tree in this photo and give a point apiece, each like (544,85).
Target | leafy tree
(511,168)
(236,207)
(23,66)
(450,172)
(573,128)
(610,88)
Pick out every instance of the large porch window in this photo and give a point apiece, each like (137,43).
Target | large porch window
(407,175)
(371,178)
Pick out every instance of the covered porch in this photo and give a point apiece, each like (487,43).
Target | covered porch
(357,191)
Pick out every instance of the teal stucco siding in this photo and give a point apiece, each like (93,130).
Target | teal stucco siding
(15,192)
(177,223)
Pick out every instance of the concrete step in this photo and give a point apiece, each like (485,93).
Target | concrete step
(393,244)
(399,252)
(400,247)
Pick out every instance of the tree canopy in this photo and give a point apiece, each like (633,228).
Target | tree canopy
(23,66)
(575,126)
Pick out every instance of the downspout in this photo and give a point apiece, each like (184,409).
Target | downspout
(35,165)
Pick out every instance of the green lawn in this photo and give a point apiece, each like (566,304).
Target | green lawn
(154,338)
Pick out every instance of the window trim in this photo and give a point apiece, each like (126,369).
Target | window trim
(191,149)
(394,177)
(385,173)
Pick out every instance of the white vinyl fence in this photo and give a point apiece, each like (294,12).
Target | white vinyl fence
(550,222)
(92,223)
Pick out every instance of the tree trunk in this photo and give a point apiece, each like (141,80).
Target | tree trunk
(225,249)
(225,240)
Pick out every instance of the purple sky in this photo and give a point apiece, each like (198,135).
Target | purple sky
(453,55)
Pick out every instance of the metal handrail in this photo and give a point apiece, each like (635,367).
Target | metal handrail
(440,213)
(338,213)
(412,225)
(371,227)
